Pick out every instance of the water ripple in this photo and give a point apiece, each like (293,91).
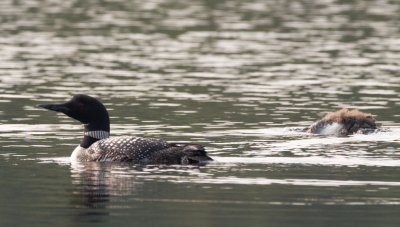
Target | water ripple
(236,76)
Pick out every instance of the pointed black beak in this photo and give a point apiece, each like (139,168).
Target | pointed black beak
(56,107)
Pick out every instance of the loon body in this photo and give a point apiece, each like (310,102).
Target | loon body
(96,144)
(344,122)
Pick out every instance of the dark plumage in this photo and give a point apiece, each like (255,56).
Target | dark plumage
(344,122)
(96,146)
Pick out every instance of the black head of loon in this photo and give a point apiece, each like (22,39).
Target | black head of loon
(97,146)
(88,110)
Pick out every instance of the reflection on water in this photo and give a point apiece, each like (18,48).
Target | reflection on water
(236,76)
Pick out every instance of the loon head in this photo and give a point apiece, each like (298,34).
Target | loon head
(86,109)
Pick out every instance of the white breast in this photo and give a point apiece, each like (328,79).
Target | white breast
(77,153)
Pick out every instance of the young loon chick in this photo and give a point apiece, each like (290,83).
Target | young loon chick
(97,146)
(344,122)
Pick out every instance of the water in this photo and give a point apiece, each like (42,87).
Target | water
(236,76)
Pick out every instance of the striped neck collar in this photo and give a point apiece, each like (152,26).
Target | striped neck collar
(97,134)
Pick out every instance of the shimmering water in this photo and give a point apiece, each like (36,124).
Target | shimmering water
(236,76)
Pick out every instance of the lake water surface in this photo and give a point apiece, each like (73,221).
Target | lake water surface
(235,76)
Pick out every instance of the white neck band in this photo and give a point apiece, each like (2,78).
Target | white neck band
(97,134)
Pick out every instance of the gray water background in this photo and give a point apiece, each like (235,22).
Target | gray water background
(235,76)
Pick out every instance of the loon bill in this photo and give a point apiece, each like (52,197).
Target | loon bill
(96,144)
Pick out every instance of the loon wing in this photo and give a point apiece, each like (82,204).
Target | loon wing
(126,148)
(146,151)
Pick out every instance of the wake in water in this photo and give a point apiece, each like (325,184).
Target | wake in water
(312,160)
(294,146)
(379,135)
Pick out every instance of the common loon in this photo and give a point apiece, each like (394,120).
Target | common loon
(97,146)
(344,122)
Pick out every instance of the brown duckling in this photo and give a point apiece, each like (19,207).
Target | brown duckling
(344,122)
